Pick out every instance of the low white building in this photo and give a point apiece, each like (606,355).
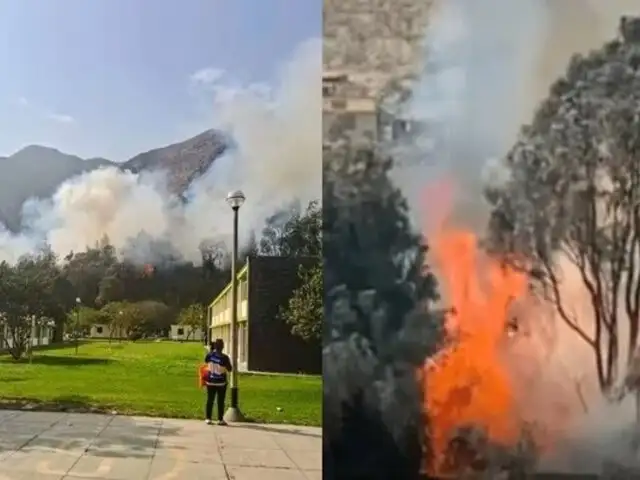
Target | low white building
(43,335)
(99,330)
(184,332)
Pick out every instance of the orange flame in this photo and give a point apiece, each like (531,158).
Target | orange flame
(477,380)
(469,384)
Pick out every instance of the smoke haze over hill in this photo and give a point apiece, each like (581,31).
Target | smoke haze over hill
(274,156)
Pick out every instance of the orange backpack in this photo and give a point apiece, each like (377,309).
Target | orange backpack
(203,372)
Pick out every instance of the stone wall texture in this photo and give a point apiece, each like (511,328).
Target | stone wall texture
(374,41)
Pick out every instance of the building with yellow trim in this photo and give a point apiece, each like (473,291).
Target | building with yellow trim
(265,342)
(219,316)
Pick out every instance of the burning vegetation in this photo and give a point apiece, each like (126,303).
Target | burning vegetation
(468,383)
(568,212)
(534,366)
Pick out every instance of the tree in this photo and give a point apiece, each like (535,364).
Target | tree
(30,294)
(124,318)
(83,318)
(384,256)
(294,233)
(193,318)
(85,270)
(14,314)
(156,317)
(114,312)
(305,309)
(572,194)
(119,282)
(378,329)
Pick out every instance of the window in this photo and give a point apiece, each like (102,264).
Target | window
(328,89)
(99,330)
(181,331)
(339,103)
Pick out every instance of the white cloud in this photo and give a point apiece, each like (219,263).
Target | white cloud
(214,84)
(206,76)
(60,118)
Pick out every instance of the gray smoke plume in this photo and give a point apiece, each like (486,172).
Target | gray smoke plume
(487,66)
(275,158)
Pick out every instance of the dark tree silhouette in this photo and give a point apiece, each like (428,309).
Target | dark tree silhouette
(378,328)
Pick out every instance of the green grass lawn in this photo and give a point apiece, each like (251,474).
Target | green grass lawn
(149,378)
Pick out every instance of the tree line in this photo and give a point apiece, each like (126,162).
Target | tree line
(101,286)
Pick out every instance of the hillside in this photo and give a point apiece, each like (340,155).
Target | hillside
(37,171)
(184,161)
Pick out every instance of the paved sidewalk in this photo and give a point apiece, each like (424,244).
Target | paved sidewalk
(56,446)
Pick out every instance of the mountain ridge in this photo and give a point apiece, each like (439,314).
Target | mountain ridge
(36,171)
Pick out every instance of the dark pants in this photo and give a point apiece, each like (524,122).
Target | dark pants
(214,391)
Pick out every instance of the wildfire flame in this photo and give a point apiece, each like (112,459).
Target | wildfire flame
(480,379)
(468,383)
(148,270)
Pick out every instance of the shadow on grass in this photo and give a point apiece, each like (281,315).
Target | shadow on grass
(52,346)
(6,357)
(13,379)
(54,360)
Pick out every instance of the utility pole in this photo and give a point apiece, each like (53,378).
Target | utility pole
(233,413)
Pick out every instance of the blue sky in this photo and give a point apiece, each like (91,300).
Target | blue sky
(113,78)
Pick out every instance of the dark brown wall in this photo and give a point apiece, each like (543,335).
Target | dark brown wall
(272,347)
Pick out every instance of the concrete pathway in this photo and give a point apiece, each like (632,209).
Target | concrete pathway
(56,446)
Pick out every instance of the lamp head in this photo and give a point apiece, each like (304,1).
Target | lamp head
(78,301)
(235,199)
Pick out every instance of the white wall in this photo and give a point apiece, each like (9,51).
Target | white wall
(44,337)
(181,332)
(99,331)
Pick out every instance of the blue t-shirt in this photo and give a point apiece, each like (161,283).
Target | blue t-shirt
(218,364)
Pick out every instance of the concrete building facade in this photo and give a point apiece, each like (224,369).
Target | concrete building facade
(181,333)
(265,341)
(347,110)
(373,50)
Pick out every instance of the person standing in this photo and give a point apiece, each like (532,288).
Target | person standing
(218,365)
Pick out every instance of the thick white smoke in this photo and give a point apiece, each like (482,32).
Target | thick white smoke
(275,159)
(488,64)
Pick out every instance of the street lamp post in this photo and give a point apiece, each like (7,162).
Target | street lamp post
(233,414)
(119,326)
(205,331)
(77,329)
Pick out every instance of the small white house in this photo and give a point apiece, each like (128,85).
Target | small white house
(99,330)
(184,332)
